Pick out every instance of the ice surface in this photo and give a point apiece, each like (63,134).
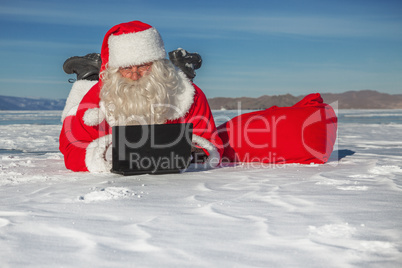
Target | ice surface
(346,213)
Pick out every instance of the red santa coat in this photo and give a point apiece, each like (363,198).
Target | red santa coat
(86,134)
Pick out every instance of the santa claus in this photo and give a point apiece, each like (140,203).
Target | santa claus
(137,86)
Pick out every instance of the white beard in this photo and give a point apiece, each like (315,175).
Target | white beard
(145,101)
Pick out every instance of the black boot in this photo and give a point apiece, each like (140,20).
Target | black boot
(86,67)
(187,62)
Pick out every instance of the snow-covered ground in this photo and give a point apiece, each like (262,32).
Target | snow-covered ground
(346,213)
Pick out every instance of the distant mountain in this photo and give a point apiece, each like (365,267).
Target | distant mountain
(17,103)
(364,99)
(247,103)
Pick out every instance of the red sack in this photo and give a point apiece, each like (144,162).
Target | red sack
(303,133)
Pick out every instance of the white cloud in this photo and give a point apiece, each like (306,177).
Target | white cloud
(44,44)
(214,22)
(326,26)
(31,81)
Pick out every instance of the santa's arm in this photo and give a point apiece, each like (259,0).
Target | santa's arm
(81,150)
(82,142)
(205,135)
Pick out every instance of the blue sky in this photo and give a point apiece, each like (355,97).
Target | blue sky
(249,48)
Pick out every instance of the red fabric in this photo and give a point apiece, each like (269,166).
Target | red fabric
(76,135)
(304,133)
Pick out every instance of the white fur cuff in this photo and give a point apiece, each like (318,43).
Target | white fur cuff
(78,91)
(95,157)
(214,156)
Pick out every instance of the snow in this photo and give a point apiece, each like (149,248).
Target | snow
(346,213)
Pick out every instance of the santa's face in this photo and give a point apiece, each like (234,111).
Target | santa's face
(136,72)
(140,94)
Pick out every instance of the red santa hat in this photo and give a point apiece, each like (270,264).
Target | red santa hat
(131,43)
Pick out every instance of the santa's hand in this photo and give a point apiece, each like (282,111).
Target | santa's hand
(198,155)
(108,154)
(95,158)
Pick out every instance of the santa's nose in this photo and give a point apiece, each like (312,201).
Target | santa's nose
(135,74)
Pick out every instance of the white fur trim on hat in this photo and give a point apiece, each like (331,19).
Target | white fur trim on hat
(93,117)
(77,92)
(135,48)
(214,156)
(95,156)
